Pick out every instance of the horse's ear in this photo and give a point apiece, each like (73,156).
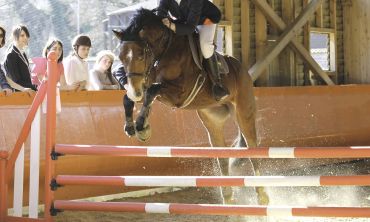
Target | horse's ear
(118,33)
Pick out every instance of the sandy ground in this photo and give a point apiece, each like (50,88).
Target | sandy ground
(292,196)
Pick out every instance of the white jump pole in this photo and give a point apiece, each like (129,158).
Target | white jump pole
(18,184)
(34,166)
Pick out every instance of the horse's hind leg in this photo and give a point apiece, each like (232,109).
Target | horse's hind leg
(129,127)
(214,120)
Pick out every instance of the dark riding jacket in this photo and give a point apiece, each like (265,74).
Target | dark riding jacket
(17,68)
(189,13)
(119,74)
(3,82)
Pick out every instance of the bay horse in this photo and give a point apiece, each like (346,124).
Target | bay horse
(159,65)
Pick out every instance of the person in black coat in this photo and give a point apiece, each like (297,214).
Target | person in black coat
(3,82)
(203,15)
(16,62)
(119,74)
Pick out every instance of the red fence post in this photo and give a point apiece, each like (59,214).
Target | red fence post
(3,186)
(50,131)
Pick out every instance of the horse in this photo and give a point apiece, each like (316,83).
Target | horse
(159,65)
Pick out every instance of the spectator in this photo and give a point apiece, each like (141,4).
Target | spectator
(39,71)
(75,67)
(16,61)
(119,74)
(4,85)
(101,75)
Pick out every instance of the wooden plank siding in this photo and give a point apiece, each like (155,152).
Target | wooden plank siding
(237,29)
(302,38)
(357,41)
(340,43)
(288,69)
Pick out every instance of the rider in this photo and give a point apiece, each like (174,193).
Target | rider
(203,15)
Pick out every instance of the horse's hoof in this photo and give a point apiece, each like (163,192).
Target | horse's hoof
(263,198)
(144,135)
(129,130)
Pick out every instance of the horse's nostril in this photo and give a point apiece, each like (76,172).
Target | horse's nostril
(138,94)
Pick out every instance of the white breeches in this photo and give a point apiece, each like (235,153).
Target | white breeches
(206,35)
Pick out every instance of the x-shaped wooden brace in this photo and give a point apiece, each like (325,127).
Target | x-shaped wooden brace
(287,37)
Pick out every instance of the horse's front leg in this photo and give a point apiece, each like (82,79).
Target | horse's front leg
(143,131)
(129,127)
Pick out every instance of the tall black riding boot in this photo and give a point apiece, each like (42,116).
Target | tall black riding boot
(219,91)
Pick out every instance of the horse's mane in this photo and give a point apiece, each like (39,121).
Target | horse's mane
(143,17)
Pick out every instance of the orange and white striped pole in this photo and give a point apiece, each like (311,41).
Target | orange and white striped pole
(209,209)
(221,152)
(214,181)
(50,131)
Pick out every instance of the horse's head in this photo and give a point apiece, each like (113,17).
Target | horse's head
(135,59)
(141,46)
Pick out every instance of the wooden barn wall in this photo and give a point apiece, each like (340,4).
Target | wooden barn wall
(340,43)
(357,41)
(288,69)
(237,29)
(252,40)
(301,72)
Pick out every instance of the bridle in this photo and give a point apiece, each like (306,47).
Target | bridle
(149,52)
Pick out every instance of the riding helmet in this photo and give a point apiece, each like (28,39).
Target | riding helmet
(81,40)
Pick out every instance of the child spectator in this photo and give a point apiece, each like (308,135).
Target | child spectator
(101,75)
(39,71)
(75,67)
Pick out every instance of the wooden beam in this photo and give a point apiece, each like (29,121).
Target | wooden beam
(229,13)
(333,38)
(349,56)
(245,33)
(285,38)
(261,45)
(307,46)
(286,60)
(275,20)
(319,17)
(322,30)
(333,14)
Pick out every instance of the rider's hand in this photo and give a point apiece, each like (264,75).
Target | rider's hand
(75,86)
(7,91)
(82,85)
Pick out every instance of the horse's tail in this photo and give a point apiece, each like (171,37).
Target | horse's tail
(239,141)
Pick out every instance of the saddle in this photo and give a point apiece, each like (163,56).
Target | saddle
(198,57)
